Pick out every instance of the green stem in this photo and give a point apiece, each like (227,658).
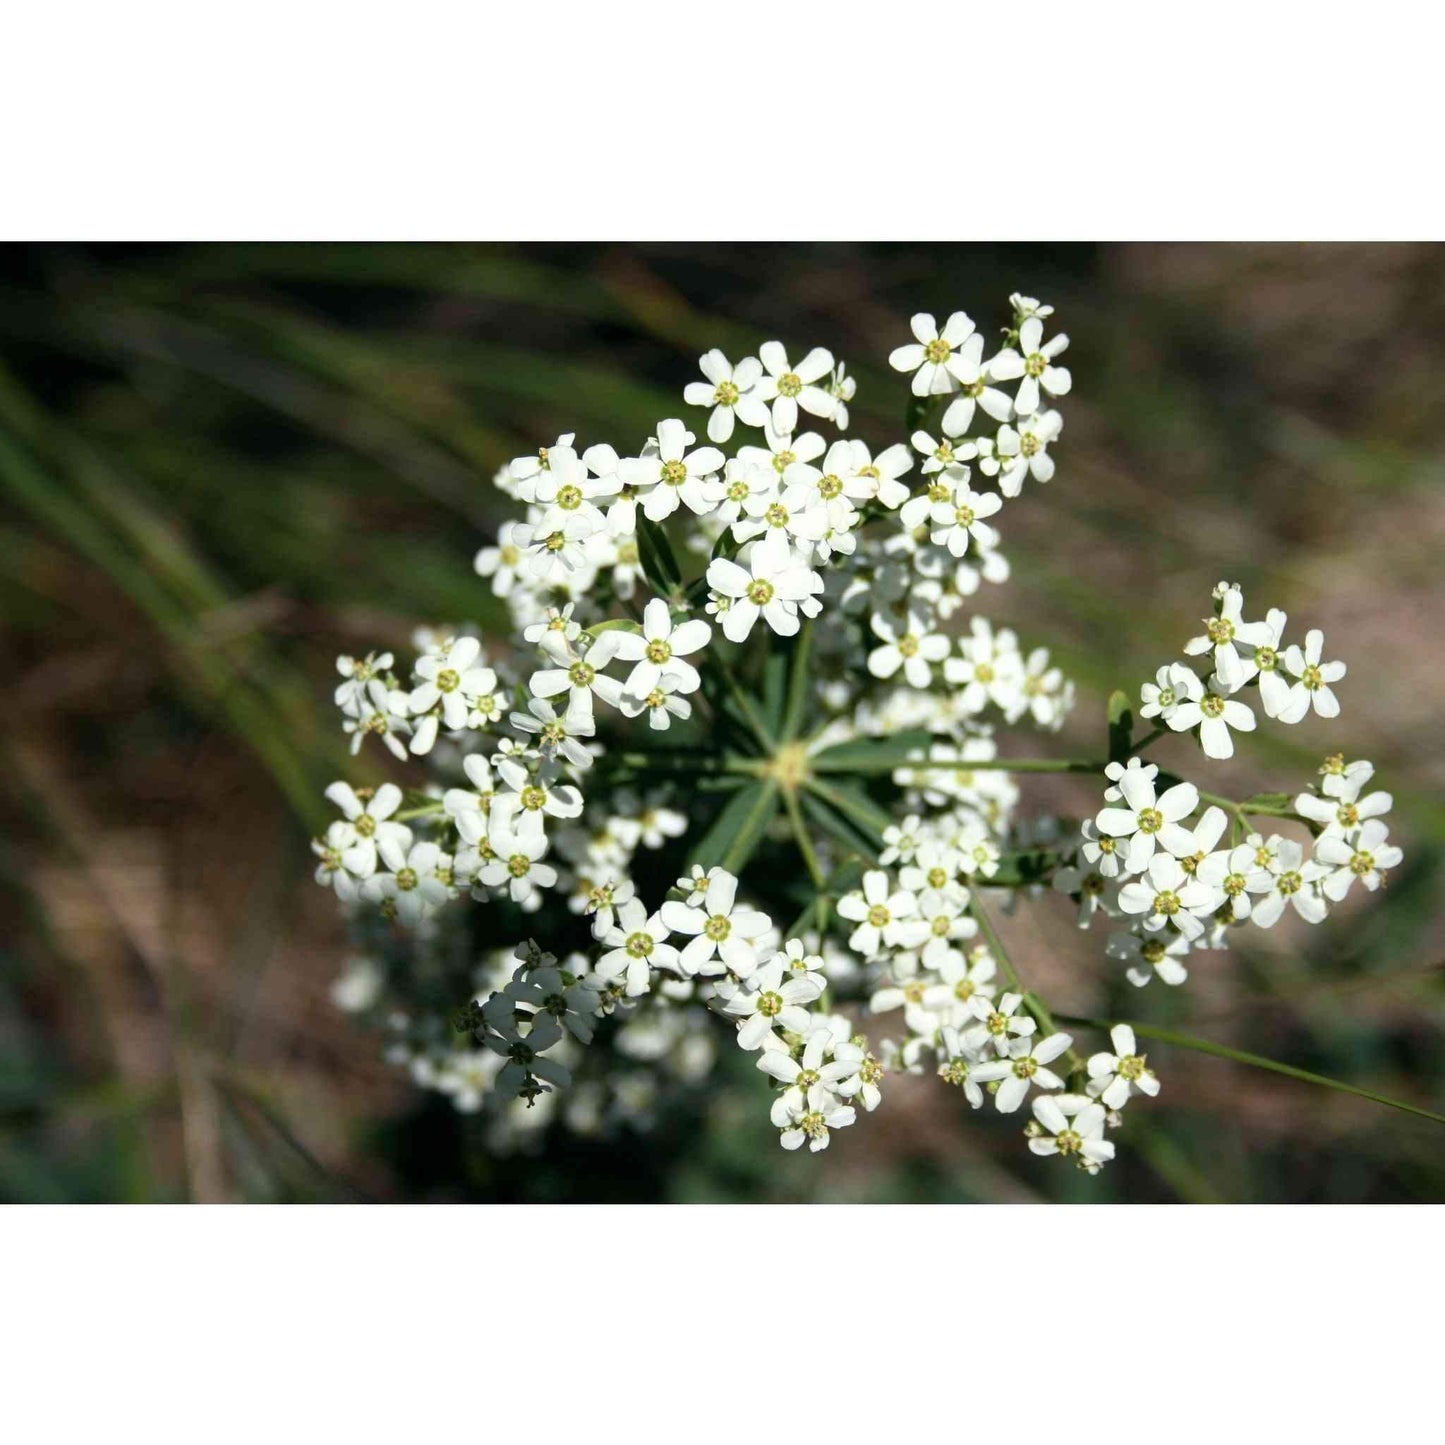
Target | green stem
(797,682)
(805,842)
(984,765)
(745,703)
(1257,1061)
(1032,1002)
(1148,738)
(874,820)
(426,810)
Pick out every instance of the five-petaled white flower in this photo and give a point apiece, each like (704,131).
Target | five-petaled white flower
(789,388)
(962,515)
(1144,819)
(1039,372)
(1214,713)
(1366,858)
(659,650)
(1167,894)
(1312,688)
(775,585)
(1115,1077)
(636,944)
(722,929)
(1222,632)
(729,391)
(881,917)
(1022,1068)
(1294,885)
(910,645)
(772,999)
(1073,1126)
(939,360)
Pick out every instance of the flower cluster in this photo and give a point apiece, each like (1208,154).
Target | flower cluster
(793,616)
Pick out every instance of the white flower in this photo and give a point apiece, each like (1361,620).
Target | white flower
(374,717)
(636,944)
(1115,1077)
(366,826)
(1073,1126)
(988,669)
(555,633)
(1022,1069)
(661,704)
(1039,372)
(788,388)
(914,648)
(658,650)
(1293,884)
(1263,661)
(938,360)
(721,929)
(519,846)
(522,1050)
(1167,894)
(412,886)
(961,516)
(453,685)
(556,735)
(1150,955)
(1342,814)
(1173,684)
(939,455)
(796,959)
(878,476)
(797,515)
(775,585)
(1341,780)
(770,1001)
(729,390)
(1236,874)
(1145,819)
(842,388)
(1017,454)
(999,1023)
(582,677)
(1221,633)
(800,1123)
(881,917)
(1366,858)
(1313,687)
(1213,712)
(502,562)
(673,474)
(983,392)
(350,695)
(528,794)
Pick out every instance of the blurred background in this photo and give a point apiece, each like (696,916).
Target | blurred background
(222,465)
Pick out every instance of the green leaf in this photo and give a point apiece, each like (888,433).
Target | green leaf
(613,624)
(1121,726)
(658,564)
(837,825)
(875,753)
(739,828)
(869,818)
(775,674)
(1269,800)
(1258,1061)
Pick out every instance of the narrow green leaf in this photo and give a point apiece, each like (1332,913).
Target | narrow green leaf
(739,828)
(1258,1061)
(837,825)
(775,678)
(876,754)
(799,660)
(658,563)
(1121,726)
(870,818)
(1269,800)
